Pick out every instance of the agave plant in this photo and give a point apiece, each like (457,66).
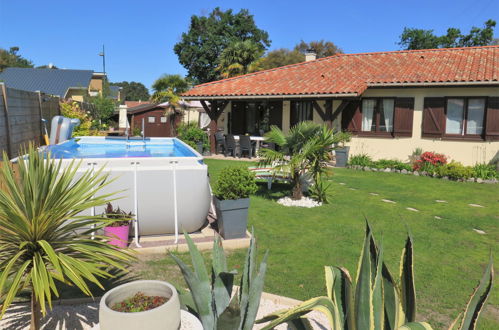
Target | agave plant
(42,237)
(375,300)
(210,295)
(306,148)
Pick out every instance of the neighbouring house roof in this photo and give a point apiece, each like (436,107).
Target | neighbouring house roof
(131,104)
(114,91)
(352,74)
(50,81)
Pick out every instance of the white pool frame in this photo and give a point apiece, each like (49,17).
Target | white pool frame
(166,194)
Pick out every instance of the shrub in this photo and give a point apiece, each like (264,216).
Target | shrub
(484,171)
(235,183)
(319,191)
(191,134)
(455,170)
(360,160)
(429,161)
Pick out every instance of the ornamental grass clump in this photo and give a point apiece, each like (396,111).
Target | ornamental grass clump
(235,183)
(44,239)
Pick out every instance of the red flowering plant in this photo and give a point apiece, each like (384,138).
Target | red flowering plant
(429,161)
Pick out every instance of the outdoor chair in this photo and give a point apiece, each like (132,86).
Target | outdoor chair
(220,143)
(230,144)
(245,146)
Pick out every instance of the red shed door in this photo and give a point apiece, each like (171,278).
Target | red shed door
(156,125)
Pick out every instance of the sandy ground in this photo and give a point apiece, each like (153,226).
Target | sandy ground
(86,317)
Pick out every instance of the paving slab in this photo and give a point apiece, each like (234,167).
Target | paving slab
(388,201)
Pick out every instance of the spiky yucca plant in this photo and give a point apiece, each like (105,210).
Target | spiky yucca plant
(210,292)
(42,237)
(375,300)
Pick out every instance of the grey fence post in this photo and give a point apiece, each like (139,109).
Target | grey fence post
(7,120)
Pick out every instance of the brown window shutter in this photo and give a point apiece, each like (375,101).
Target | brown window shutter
(402,116)
(351,117)
(492,121)
(433,117)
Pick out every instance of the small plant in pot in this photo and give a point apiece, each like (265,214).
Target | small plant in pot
(143,304)
(341,151)
(232,191)
(118,229)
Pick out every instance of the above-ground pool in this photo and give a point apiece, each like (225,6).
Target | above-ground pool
(157,179)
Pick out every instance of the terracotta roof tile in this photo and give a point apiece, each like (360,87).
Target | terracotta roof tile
(353,73)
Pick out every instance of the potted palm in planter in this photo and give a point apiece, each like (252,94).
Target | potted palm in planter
(341,151)
(118,229)
(232,191)
(142,304)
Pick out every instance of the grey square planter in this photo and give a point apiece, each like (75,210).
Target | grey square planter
(341,156)
(232,217)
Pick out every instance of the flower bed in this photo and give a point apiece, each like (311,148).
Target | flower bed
(139,303)
(428,164)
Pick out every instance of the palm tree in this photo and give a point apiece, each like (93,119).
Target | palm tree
(240,58)
(306,148)
(43,239)
(168,88)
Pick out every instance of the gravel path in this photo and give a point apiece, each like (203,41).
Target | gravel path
(85,317)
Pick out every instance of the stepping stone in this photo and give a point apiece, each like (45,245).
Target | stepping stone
(481,232)
(374,194)
(476,205)
(342,183)
(412,209)
(352,188)
(388,201)
(438,218)
(440,201)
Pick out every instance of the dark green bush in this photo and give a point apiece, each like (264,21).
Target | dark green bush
(191,134)
(455,170)
(360,160)
(235,183)
(486,172)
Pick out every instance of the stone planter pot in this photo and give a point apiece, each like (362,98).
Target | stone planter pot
(232,217)
(119,235)
(199,147)
(341,156)
(164,317)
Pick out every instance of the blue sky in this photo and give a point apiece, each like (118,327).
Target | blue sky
(139,35)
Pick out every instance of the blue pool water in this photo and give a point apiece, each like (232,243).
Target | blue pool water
(102,147)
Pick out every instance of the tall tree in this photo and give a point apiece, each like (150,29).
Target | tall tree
(133,91)
(412,38)
(280,57)
(10,58)
(200,48)
(322,48)
(239,58)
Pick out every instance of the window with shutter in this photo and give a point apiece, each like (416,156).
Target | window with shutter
(403,117)
(433,117)
(492,121)
(351,117)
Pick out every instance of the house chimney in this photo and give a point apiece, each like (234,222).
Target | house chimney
(310,55)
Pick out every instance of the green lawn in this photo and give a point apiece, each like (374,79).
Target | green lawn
(449,255)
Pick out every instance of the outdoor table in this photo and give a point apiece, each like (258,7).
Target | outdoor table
(257,139)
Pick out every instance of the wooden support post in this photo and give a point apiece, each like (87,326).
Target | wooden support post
(214,111)
(329,113)
(319,110)
(7,121)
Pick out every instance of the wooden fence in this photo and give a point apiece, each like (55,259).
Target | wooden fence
(21,114)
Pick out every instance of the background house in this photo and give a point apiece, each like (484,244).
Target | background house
(443,100)
(64,83)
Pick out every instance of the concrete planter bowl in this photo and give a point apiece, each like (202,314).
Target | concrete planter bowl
(232,217)
(164,317)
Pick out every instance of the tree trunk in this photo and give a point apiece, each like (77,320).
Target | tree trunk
(35,312)
(297,193)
